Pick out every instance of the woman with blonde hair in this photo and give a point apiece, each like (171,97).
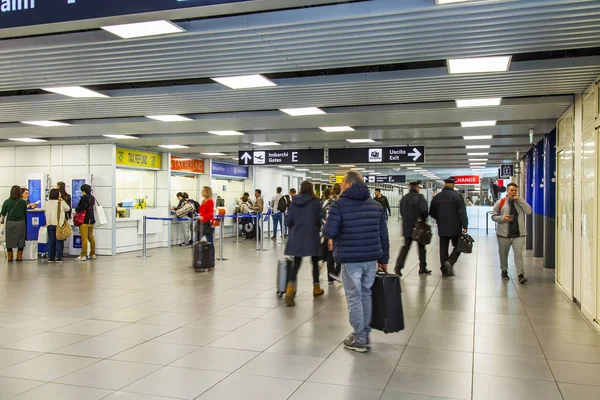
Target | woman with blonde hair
(207,212)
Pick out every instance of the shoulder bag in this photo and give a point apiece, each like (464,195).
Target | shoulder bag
(465,243)
(62,232)
(422,232)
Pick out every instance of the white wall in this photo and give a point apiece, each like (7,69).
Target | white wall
(268,179)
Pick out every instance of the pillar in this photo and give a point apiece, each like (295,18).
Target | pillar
(550,200)
(529,197)
(538,199)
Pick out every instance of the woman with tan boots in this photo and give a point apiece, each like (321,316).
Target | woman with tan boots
(304,221)
(14,213)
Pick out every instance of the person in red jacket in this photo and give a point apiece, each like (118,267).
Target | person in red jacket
(207,212)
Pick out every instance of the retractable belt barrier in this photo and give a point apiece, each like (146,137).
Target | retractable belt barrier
(487,221)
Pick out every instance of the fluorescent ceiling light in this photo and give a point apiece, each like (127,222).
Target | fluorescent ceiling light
(478,64)
(360,140)
(169,118)
(357,169)
(480,137)
(77,92)
(215,154)
(235,158)
(477,163)
(347,166)
(266,144)
(245,82)
(286,166)
(143,29)
(408,165)
(327,174)
(303,169)
(478,159)
(450,1)
(173,146)
(317,172)
(478,154)
(226,133)
(478,146)
(45,123)
(375,173)
(120,136)
(413,168)
(298,112)
(475,124)
(27,140)
(337,128)
(495,101)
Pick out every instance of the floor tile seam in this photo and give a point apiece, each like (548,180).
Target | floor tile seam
(475,320)
(69,373)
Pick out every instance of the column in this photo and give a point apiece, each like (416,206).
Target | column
(538,199)
(529,197)
(549,199)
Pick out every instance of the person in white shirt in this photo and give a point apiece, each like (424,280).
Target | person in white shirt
(55,211)
(276,210)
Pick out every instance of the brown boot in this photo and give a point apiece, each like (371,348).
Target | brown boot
(10,255)
(289,295)
(317,291)
(19,256)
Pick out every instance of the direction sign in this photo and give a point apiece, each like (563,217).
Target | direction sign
(415,154)
(507,171)
(385,179)
(281,157)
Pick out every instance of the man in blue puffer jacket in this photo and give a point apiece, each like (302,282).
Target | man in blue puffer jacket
(356,223)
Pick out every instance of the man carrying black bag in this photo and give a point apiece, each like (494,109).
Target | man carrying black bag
(413,209)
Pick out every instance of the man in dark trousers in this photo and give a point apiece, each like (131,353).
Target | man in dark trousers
(412,208)
(381,199)
(449,210)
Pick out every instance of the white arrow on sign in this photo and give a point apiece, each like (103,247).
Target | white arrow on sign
(246,157)
(416,153)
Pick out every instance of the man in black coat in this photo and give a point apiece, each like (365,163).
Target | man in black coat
(449,210)
(412,208)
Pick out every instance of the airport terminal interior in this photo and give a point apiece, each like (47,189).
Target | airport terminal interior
(147,103)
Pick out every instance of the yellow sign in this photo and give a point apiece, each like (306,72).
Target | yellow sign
(336,179)
(138,158)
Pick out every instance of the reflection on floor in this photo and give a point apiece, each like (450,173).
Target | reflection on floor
(124,328)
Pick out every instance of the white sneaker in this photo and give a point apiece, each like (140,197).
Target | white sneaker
(81,258)
(91,258)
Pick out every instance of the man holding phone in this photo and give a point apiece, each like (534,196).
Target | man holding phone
(509,215)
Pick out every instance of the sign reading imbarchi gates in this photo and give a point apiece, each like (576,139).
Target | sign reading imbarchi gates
(281,157)
(16,13)
(413,154)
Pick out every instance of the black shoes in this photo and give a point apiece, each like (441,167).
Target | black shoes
(424,271)
(505,275)
(522,279)
(447,269)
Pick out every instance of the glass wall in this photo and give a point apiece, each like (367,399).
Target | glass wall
(136,188)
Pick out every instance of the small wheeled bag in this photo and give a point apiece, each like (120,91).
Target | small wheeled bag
(284,266)
(422,232)
(465,244)
(388,315)
(203,256)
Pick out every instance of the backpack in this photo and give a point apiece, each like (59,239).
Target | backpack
(282,205)
(196,205)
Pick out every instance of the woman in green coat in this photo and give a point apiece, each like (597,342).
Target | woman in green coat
(14,212)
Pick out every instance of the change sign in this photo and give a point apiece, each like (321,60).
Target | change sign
(413,154)
(281,157)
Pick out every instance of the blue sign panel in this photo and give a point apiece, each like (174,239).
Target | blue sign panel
(16,13)
(507,171)
(35,191)
(234,171)
(76,196)
(76,241)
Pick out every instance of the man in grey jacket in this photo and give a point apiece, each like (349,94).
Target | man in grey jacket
(509,215)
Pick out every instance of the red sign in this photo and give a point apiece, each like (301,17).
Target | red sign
(467,180)
(187,165)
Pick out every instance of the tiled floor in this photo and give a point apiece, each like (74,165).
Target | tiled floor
(124,328)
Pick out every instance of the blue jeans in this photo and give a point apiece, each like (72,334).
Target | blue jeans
(55,247)
(358,279)
(276,222)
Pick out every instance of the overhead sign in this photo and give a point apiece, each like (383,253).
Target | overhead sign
(413,154)
(229,170)
(385,179)
(16,13)
(468,180)
(281,157)
(507,171)
(182,164)
(138,158)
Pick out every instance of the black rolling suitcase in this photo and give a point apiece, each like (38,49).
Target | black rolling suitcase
(388,315)
(203,256)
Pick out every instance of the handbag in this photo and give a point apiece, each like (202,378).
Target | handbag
(99,215)
(465,244)
(62,232)
(43,235)
(79,217)
(184,210)
(422,232)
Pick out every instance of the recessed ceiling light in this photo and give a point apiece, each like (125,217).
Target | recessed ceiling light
(245,81)
(347,166)
(235,158)
(478,159)
(408,165)
(226,133)
(360,140)
(169,118)
(77,92)
(120,137)
(495,101)
(450,1)
(478,64)
(286,166)
(45,123)
(357,169)
(477,163)
(27,140)
(214,154)
(143,29)
(337,128)
(480,137)
(303,169)
(475,124)
(173,146)
(298,112)
(478,146)
(266,144)
(375,173)
(413,168)
(478,154)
